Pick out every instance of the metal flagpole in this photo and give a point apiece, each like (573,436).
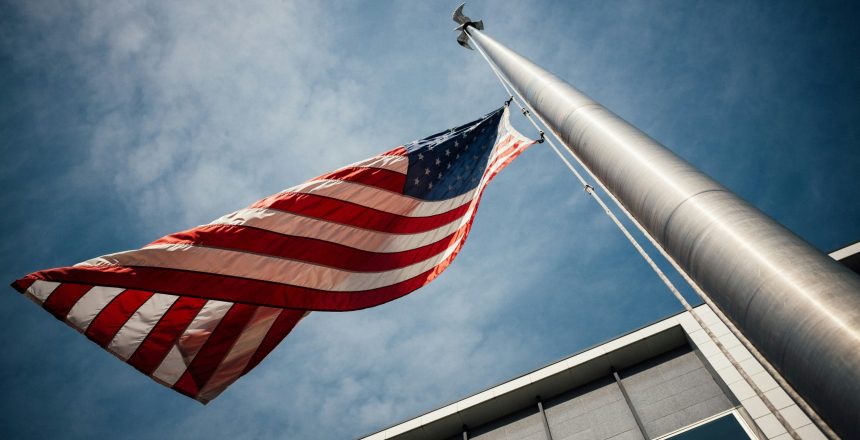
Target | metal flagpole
(671,286)
(797,306)
(659,272)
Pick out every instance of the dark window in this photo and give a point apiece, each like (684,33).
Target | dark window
(724,428)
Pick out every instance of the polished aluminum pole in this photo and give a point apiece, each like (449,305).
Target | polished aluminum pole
(798,307)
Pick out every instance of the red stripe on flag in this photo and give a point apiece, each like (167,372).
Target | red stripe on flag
(347,213)
(282,326)
(325,253)
(187,386)
(233,289)
(23,284)
(162,337)
(64,298)
(108,322)
(243,290)
(376,177)
(215,349)
(239,290)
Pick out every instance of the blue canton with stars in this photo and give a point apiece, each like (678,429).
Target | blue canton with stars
(452,162)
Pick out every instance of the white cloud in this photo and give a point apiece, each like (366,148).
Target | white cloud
(200,109)
(197,109)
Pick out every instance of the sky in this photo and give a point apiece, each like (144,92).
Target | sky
(121,122)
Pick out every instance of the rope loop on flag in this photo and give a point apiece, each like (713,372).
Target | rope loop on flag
(508,102)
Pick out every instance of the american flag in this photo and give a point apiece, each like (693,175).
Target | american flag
(198,309)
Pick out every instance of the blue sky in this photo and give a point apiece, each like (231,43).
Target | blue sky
(121,123)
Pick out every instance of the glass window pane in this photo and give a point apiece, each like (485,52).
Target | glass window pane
(724,428)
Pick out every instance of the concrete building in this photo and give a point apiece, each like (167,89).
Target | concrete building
(666,380)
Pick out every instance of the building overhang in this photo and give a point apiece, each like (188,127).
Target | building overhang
(547,382)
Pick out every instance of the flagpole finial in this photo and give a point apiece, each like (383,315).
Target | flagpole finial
(464,22)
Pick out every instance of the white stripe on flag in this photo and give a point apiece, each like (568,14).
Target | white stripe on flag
(40,290)
(379,199)
(132,334)
(399,164)
(245,347)
(261,267)
(274,269)
(187,346)
(359,238)
(174,366)
(89,306)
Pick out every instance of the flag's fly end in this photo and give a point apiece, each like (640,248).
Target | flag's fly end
(464,21)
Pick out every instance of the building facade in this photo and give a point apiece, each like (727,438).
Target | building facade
(668,380)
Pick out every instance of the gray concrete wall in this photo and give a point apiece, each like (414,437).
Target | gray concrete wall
(595,411)
(667,393)
(673,391)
